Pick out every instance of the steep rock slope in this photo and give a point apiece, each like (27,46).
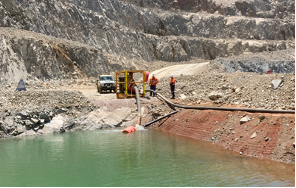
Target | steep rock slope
(137,31)
(253,8)
(128,30)
(25,54)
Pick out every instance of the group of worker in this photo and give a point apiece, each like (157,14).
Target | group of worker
(153,81)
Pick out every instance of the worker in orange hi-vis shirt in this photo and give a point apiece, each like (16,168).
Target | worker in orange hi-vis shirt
(152,83)
(172,85)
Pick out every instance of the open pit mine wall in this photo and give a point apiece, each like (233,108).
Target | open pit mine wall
(114,27)
(44,57)
(253,8)
(258,66)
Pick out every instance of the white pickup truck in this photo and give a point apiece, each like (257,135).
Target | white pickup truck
(105,82)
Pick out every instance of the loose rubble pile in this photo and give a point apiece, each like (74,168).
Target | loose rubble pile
(158,110)
(26,112)
(43,98)
(253,90)
(34,84)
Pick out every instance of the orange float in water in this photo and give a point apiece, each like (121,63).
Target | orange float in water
(129,129)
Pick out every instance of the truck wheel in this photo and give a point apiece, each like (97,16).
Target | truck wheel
(100,90)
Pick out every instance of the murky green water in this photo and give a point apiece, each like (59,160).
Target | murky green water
(144,158)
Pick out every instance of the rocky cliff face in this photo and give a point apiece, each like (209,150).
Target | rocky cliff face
(253,8)
(141,30)
(26,54)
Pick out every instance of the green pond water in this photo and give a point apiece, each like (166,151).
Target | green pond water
(150,158)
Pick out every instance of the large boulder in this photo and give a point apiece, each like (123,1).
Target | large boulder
(56,125)
(102,119)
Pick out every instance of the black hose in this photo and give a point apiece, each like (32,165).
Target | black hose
(147,124)
(225,109)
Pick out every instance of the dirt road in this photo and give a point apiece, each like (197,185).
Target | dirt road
(176,70)
(90,91)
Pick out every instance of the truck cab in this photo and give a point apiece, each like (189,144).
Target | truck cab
(105,82)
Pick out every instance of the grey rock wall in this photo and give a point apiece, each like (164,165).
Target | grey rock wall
(163,23)
(123,29)
(96,36)
(253,8)
(258,66)
(24,54)
(278,62)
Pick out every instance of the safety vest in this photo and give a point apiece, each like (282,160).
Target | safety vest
(153,81)
(173,81)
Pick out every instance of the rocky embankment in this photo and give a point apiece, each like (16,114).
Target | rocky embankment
(260,135)
(44,109)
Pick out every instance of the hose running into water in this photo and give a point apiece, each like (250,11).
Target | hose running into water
(138,105)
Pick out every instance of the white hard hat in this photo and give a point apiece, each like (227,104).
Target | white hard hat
(153,74)
(172,76)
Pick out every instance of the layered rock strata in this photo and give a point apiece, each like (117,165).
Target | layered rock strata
(127,30)
(25,54)
(251,8)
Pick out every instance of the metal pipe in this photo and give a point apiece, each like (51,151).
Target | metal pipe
(225,109)
(138,104)
(147,124)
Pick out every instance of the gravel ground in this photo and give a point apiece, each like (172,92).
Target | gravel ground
(245,89)
(246,86)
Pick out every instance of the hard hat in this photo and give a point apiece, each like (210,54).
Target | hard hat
(153,74)
(172,76)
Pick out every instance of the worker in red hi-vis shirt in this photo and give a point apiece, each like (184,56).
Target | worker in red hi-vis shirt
(152,83)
